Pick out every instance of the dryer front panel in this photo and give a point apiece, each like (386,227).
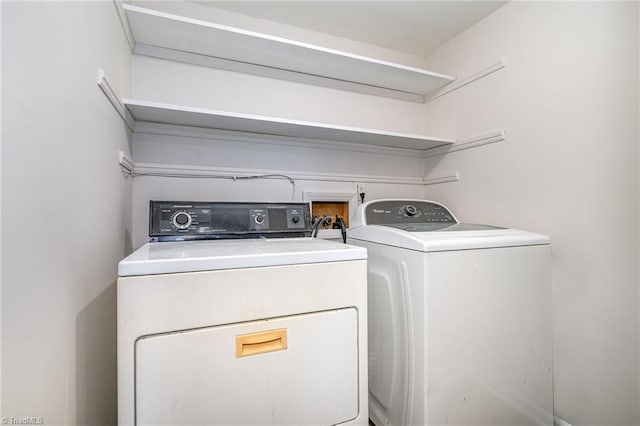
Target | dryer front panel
(300,369)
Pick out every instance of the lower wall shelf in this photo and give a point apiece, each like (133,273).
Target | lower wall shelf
(144,111)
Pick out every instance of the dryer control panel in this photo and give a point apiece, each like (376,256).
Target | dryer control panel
(392,212)
(187,220)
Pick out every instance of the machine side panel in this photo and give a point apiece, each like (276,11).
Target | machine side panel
(488,337)
(396,326)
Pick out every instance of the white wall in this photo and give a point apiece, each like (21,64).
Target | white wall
(65,210)
(568,100)
(193,85)
(335,170)
(0,207)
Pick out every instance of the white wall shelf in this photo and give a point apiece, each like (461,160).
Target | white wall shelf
(153,112)
(176,37)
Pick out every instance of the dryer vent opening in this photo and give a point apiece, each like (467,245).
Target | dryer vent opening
(332,209)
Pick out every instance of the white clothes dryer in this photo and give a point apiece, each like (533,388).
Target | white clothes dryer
(243,329)
(459,318)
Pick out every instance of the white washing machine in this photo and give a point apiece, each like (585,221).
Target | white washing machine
(459,318)
(260,325)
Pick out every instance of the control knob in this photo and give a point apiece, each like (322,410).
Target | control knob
(410,210)
(259,219)
(295,219)
(182,220)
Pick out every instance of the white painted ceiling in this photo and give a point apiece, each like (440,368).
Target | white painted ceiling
(414,27)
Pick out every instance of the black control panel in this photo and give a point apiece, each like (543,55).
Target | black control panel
(187,220)
(407,212)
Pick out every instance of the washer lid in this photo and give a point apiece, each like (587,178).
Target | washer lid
(457,237)
(442,227)
(427,226)
(212,255)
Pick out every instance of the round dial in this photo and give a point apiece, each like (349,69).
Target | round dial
(410,210)
(259,219)
(181,220)
(295,219)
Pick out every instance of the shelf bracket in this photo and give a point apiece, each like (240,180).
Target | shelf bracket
(127,164)
(465,81)
(442,178)
(125,24)
(497,136)
(115,100)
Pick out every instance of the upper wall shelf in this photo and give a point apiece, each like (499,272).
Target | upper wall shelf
(180,38)
(143,111)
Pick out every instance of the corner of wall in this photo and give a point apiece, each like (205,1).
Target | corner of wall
(638,139)
(1,5)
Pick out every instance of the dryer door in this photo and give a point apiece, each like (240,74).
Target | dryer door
(294,370)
